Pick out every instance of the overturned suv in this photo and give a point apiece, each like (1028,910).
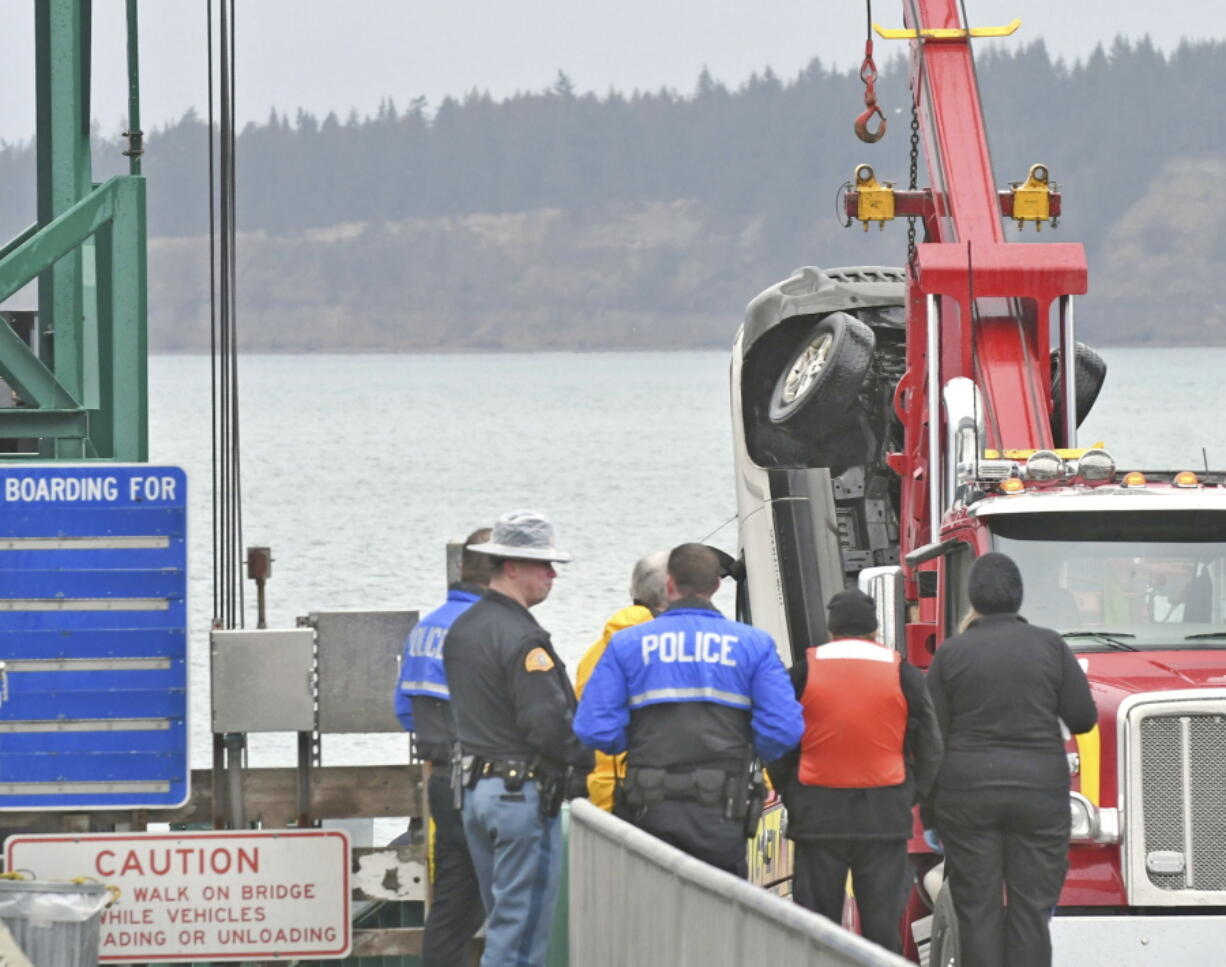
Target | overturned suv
(814,369)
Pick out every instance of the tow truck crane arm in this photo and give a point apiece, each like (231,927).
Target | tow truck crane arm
(977,307)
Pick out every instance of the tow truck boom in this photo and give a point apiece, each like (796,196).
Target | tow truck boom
(992,301)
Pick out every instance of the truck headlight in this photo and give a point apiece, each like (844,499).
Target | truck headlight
(1092,824)
(1044,466)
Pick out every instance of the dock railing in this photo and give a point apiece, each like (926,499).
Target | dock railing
(637,900)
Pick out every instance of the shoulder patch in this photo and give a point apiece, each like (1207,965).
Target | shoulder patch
(538,660)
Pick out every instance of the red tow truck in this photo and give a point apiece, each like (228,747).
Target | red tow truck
(892,424)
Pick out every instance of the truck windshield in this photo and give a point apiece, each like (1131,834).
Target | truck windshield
(1122,580)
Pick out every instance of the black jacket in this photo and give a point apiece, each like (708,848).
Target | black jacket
(510,695)
(1000,690)
(884,812)
(435,732)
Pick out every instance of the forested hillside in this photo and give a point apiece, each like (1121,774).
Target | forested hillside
(649,219)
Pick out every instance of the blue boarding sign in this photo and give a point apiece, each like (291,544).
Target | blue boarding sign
(93,637)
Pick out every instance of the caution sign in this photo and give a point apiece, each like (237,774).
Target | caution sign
(267,895)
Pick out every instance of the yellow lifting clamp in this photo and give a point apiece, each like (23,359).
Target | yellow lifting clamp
(874,200)
(1032,198)
(1062,452)
(947,33)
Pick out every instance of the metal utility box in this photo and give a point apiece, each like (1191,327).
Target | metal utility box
(263,681)
(359,660)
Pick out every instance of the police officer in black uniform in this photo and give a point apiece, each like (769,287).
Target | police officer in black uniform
(513,705)
(1000,690)
(423,705)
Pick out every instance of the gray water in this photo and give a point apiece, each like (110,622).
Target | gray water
(357,470)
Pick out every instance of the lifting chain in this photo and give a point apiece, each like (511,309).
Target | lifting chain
(913,182)
(868,74)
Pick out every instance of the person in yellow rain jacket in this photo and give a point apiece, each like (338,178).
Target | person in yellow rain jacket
(647,593)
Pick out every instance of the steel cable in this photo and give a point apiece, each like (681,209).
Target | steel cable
(223,318)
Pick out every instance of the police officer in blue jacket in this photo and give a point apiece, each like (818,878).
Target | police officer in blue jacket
(423,705)
(691,697)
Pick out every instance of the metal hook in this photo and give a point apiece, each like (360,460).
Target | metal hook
(868,74)
(862,131)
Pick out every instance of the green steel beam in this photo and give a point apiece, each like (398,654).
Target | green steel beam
(123,382)
(85,381)
(50,243)
(17,240)
(33,381)
(116,377)
(20,424)
(135,134)
(62,59)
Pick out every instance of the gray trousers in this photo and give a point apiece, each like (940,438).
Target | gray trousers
(517,855)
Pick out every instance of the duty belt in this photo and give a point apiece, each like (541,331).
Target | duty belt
(645,786)
(502,769)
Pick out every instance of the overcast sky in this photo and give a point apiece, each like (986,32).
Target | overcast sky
(341,55)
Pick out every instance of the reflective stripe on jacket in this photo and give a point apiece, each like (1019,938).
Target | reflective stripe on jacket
(843,747)
(690,654)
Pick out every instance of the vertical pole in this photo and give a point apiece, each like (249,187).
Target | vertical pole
(219,781)
(260,615)
(62,65)
(1068,371)
(934,420)
(236,749)
(134,133)
(259,569)
(304,780)
(121,431)
(455,553)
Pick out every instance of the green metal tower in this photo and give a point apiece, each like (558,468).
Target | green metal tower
(78,370)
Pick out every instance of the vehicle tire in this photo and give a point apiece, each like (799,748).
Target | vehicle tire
(825,370)
(1090,372)
(945,949)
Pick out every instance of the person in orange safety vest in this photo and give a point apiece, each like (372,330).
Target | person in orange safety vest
(870,749)
(648,594)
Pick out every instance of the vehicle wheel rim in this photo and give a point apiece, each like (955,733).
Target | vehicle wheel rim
(805,370)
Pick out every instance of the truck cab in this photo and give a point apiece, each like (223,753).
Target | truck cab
(1129,566)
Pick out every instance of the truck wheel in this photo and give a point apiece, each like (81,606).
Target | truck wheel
(945,949)
(826,370)
(1090,371)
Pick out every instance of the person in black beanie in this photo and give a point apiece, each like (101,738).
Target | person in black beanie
(1001,801)
(871,746)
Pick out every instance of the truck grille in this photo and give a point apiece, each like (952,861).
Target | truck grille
(1183,795)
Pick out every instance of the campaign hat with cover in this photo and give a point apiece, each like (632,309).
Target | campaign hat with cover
(525,535)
